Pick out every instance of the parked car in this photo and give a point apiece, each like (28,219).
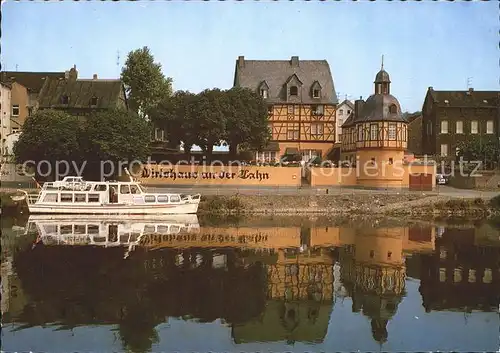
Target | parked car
(441,179)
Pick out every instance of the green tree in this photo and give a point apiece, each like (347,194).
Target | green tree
(116,136)
(474,149)
(247,120)
(144,80)
(177,117)
(49,135)
(210,109)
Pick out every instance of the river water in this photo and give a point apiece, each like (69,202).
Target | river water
(184,284)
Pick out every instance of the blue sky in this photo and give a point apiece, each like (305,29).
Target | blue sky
(437,44)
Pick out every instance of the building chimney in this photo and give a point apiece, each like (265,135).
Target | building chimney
(73,74)
(295,61)
(94,77)
(470,91)
(358,107)
(241,61)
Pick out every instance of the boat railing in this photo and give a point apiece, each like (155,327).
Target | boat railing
(32,198)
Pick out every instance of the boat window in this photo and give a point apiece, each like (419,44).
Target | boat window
(99,239)
(80,197)
(175,198)
(66,229)
(50,198)
(162,229)
(101,187)
(175,229)
(134,189)
(93,198)
(50,228)
(66,197)
(162,198)
(80,229)
(149,229)
(124,189)
(149,198)
(124,238)
(93,229)
(135,236)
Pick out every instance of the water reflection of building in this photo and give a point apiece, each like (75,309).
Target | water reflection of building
(462,273)
(374,273)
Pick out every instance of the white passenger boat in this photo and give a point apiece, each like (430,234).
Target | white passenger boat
(75,196)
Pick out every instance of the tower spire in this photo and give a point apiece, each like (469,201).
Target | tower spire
(382,66)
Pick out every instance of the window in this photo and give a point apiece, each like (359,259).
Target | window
(391,161)
(124,189)
(93,198)
(50,198)
(444,150)
(460,127)
(162,198)
(473,127)
(341,112)
(15,110)
(389,254)
(64,99)
(348,112)
(101,187)
(265,156)
(134,189)
(66,229)
(294,91)
(317,110)
(175,198)
(80,198)
(372,253)
(392,131)
(149,198)
(489,127)
(444,126)
(93,101)
(373,132)
(30,111)
(293,134)
(263,93)
(159,135)
(66,197)
(290,109)
(270,110)
(360,133)
(316,129)
(316,93)
(393,109)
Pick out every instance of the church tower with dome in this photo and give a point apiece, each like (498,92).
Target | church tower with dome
(375,135)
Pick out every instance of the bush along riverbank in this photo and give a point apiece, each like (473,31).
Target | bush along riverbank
(10,207)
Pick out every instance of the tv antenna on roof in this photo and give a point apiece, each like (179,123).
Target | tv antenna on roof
(469,82)
(118,59)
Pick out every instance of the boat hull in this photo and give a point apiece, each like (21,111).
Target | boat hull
(109,209)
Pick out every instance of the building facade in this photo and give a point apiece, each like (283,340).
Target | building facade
(301,102)
(343,111)
(5,110)
(415,134)
(450,117)
(25,89)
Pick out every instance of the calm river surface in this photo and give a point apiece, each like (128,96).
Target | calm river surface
(73,284)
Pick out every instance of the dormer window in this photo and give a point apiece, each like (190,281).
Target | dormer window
(64,99)
(263,93)
(294,91)
(393,109)
(316,93)
(93,101)
(263,90)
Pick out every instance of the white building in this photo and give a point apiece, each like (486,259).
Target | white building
(5,111)
(344,109)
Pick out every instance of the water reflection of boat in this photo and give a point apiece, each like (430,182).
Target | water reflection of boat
(107,231)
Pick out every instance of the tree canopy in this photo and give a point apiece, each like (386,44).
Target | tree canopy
(145,82)
(474,149)
(237,116)
(55,136)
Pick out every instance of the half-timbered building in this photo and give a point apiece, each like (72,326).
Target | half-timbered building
(375,134)
(301,102)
